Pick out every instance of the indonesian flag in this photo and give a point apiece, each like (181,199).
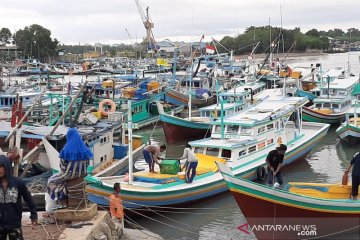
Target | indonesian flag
(210,49)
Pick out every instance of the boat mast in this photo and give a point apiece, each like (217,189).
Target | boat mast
(222,117)
(130,143)
(349,70)
(189,88)
(173,79)
(270,46)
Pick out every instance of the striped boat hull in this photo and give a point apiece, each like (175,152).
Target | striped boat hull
(177,129)
(310,115)
(262,205)
(133,198)
(178,98)
(348,133)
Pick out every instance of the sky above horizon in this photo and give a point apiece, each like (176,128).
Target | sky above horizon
(91,21)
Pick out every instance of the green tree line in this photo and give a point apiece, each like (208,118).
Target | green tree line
(284,39)
(35,41)
(80,49)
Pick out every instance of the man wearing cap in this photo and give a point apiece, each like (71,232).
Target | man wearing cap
(274,161)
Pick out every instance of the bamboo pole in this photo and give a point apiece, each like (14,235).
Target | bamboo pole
(52,131)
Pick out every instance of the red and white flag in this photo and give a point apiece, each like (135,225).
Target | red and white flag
(210,49)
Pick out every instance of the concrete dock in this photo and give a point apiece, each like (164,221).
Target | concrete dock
(101,227)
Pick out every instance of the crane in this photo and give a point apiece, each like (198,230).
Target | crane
(131,40)
(148,26)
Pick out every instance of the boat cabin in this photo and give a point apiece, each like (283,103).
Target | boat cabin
(194,84)
(241,93)
(256,130)
(214,111)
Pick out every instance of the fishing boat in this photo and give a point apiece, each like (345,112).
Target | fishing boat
(312,82)
(112,96)
(198,85)
(200,95)
(334,100)
(247,138)
(349,130)
(299,211)
(8,99)
(191,128)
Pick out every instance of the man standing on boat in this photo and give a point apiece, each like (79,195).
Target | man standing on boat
(355,175)
(152,154)
(190,164)
(12,191)
(274,161)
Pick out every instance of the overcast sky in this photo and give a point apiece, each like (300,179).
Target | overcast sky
(74,21)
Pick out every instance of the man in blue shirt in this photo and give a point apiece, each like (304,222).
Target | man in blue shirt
(355,175)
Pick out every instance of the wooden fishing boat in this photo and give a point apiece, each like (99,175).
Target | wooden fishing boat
(334,101)
(349,130)
(180,97)
(244,147)
(280,214)
(191,128)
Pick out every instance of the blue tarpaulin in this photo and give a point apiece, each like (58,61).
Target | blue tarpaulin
(75,148)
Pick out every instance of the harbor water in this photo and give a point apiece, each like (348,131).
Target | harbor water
(219,217)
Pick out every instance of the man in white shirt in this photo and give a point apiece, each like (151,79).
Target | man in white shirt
(190,164)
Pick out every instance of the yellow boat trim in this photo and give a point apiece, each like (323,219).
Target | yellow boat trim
(129,198)
(292,205)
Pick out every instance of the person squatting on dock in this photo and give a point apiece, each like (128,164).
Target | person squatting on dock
(12,190)
(355,175)
(190,164)
(274,161)
(116,207)
(152,154)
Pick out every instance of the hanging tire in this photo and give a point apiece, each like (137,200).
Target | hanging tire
(260,174)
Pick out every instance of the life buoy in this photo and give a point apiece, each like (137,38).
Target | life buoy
(107,102)
(260,174)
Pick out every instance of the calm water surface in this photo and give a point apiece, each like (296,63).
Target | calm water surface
(219,217)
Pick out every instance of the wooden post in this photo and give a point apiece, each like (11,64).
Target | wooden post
(19,151)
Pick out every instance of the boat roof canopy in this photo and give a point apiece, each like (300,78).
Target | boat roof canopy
(273,107)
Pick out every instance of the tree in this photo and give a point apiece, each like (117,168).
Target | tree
(336,33)
(5,36)
(36,41)
(313,33)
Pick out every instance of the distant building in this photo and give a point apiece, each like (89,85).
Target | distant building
(188,48)
(166,46)
(8,52)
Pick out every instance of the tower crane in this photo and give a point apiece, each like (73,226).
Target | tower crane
(131,40)
(148,26)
